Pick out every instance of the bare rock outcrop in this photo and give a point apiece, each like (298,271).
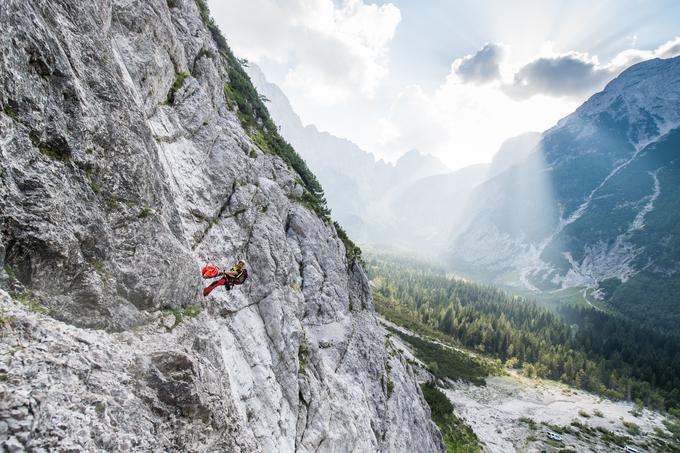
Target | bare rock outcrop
(123,168)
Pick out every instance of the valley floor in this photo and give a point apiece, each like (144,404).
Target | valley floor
(513,413)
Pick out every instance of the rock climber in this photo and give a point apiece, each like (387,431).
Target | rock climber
(234,276)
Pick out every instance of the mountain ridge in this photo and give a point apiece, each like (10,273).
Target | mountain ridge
(567,235)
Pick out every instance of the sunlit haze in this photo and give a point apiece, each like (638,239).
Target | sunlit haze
(453,79)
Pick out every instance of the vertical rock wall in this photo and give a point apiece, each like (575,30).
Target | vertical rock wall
(115,188)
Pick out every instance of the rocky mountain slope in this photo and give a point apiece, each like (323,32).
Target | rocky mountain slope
(513,151)
(514,413)
(133,152)
(595,203)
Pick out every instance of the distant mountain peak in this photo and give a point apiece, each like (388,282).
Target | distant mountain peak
(415,156)
(646,96)
(412,152)
(513,150)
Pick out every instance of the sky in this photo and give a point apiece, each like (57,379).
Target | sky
(449,78)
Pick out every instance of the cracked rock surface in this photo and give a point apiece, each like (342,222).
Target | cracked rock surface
(111,198)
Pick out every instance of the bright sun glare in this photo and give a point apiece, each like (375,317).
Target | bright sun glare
(453,79)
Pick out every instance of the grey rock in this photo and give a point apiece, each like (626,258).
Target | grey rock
(111,198)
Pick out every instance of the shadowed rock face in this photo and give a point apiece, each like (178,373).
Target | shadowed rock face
(113,193)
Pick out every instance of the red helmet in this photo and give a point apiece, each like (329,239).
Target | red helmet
(210,271)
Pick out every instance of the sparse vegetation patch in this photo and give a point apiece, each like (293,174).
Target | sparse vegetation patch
(458,436)
(180,77)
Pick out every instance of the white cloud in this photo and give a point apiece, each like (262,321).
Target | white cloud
(332,51)
(467,118)
(571,74)
(483,66)
(576,74)
(669,49)
(415,121)
(335,53)
(628,58)
(464,123)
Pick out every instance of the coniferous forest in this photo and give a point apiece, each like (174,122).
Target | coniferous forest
(582,347)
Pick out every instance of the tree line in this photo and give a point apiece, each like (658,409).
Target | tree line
(582,347)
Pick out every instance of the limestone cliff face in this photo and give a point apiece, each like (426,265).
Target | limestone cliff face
(115,188)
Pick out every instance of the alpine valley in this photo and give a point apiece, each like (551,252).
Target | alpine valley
(579,226)
(528,304)
(590,204)
(595,204)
